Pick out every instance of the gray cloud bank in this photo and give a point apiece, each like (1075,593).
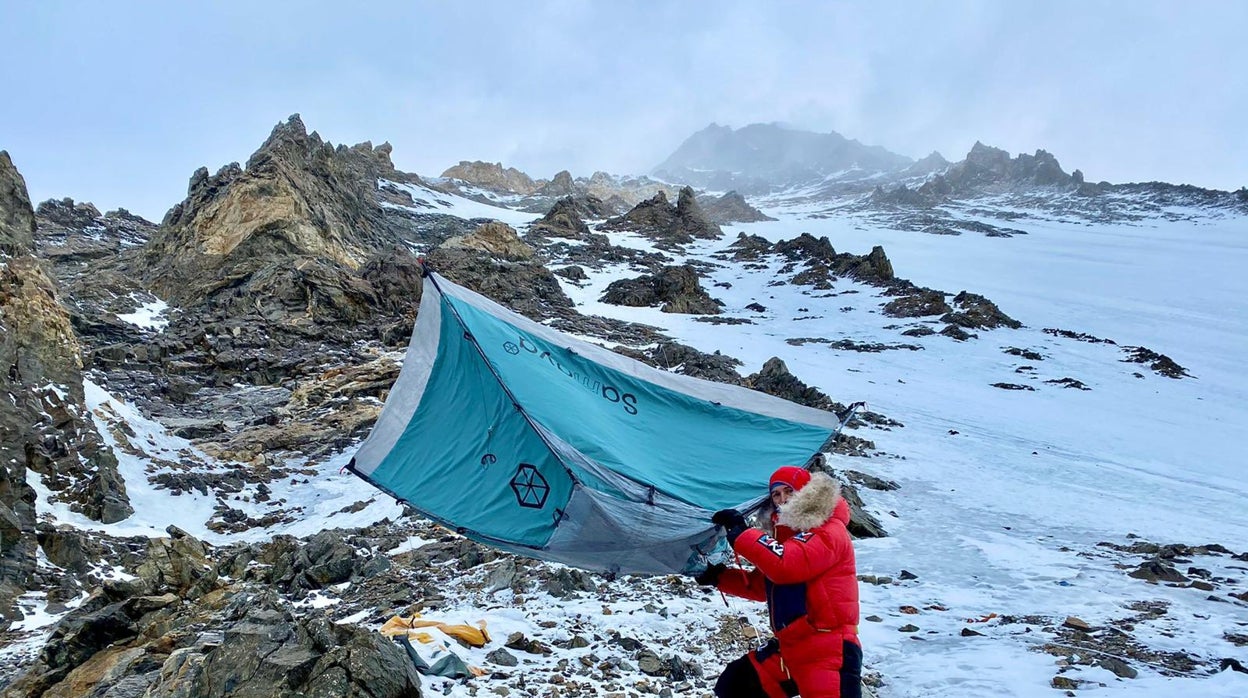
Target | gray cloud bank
(119,103)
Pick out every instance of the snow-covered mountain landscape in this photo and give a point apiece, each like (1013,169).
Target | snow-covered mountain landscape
(1047,462)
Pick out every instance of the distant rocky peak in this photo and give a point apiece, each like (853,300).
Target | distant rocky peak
(981,154)
(562,185)
(935,162)
(492,176)
(17,217)
(68,213)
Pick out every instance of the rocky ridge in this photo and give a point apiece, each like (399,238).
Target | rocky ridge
(48,437)
(494,184)
(827,175)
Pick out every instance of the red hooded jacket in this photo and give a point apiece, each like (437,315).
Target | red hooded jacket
(805,572)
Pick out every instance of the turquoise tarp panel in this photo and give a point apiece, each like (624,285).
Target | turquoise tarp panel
(709,455)
(469,458)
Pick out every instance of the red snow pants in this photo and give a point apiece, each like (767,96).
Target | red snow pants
(763,673)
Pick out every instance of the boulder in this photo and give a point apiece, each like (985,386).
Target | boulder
(775,379)
(495,239)
(684,359)
(562,221)
(675,289)
(912,301)
(973,311)
(179,565)
(245,644)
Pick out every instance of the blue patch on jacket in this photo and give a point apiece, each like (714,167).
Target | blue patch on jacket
(786,603)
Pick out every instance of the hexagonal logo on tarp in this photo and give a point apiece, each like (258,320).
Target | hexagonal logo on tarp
(530,487)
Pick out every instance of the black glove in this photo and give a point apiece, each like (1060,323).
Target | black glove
(710,576)
(732,521)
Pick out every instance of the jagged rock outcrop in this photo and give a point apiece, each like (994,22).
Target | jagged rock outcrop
(17,219)
(731,208)
(813,261)
(986,167)
(821,264)
(43,417)
(905,196)
(655,213)
(675,289)
(490,182)
(69,214)
(293,227)
(493,177)
(748,248)
(774,378)
(985,170)
(973,311)
(84,250)
(562,221)
(691,220)
(669,226)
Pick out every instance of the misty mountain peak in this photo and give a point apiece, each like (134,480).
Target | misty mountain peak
(763,157)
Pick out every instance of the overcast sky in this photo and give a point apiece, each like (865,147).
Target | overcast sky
(119,102)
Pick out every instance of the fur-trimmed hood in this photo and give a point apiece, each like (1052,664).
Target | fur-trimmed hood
(813,505)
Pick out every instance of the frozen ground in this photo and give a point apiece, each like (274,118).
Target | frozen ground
(1004,494)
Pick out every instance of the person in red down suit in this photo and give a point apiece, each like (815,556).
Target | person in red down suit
(804,569)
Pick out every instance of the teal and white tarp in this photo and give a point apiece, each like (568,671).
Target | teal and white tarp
(548,446)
